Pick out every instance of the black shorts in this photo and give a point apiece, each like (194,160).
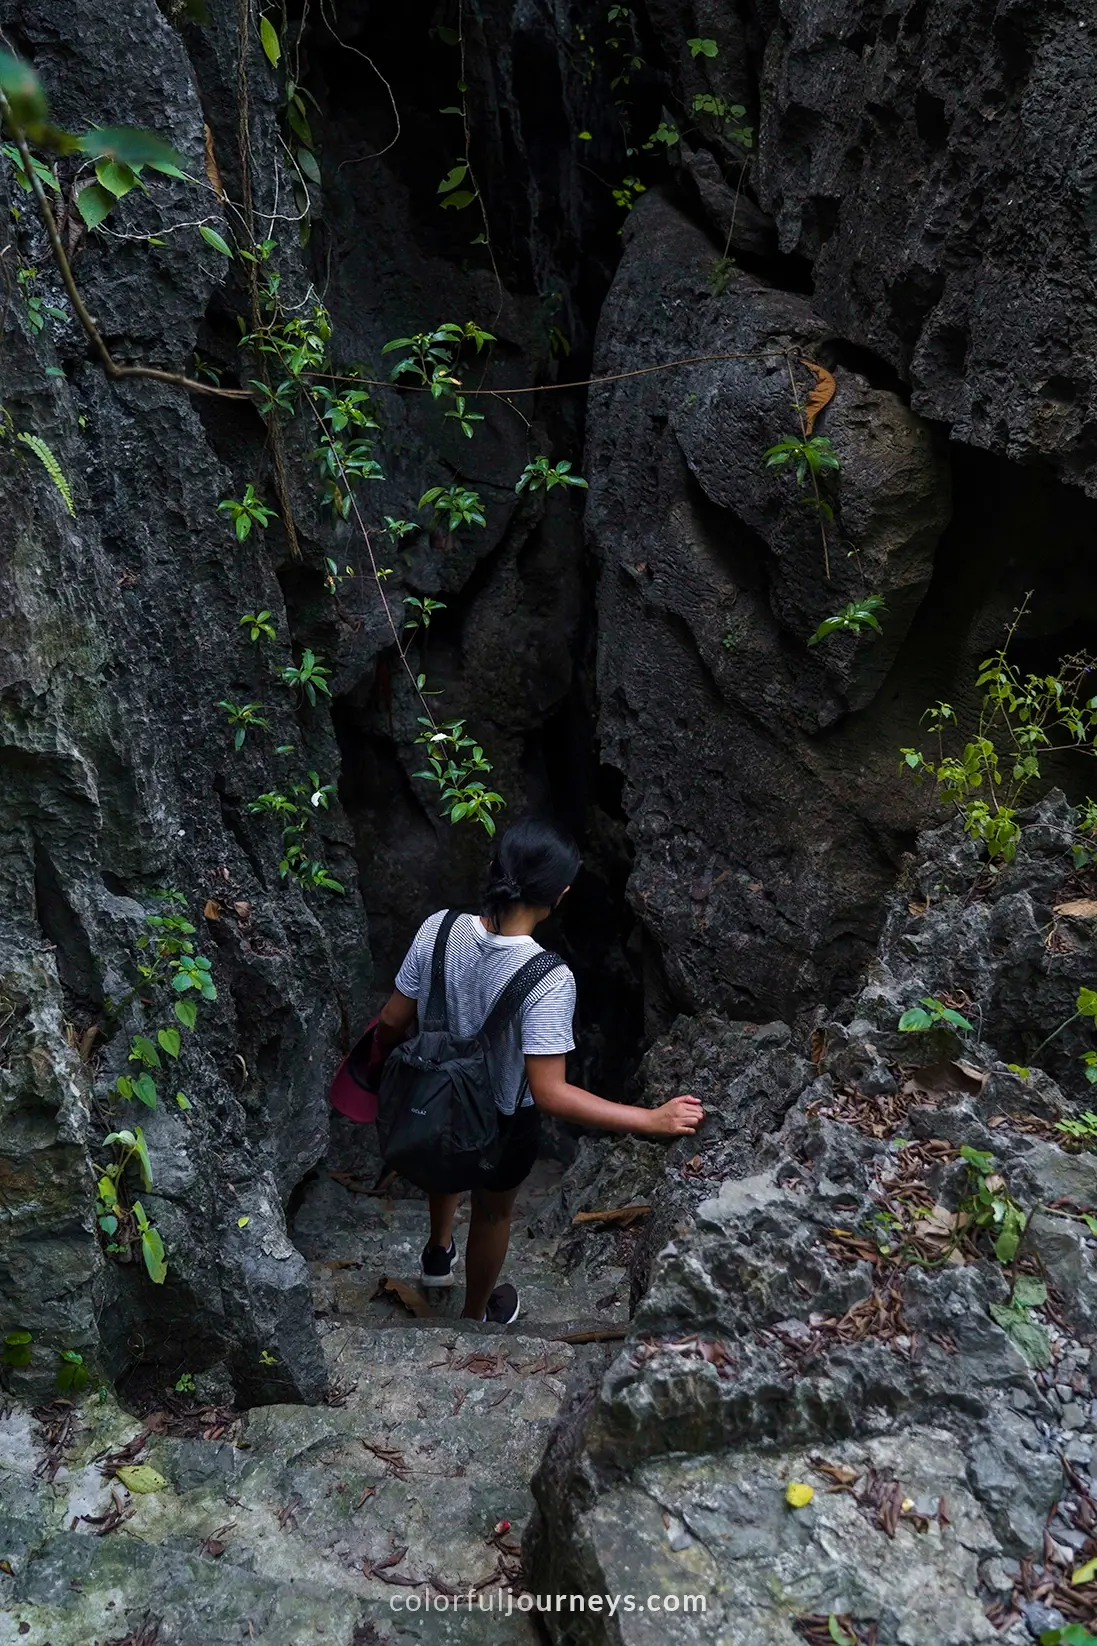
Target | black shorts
(521,1133)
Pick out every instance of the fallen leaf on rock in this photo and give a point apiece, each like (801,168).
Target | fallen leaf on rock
(140,1478)
(1084,1574)
(818,1046)
(1081,908)
(821,395)
(407,1296)
(917,909)
(243,910)
(797,1495)
(623,1215)
(212,910)
(840,1473)
(212,172)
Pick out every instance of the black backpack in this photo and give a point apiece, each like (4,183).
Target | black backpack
(437,1119)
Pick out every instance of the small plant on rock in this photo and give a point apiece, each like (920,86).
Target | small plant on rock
(259,626)
(17,1350)
(1022,718)
(246,512)
(243,717)
(72,1374)
(456,505)
(540,474)
(309,676)
(855,618)
(809,456)
(454,760)
(931,1013)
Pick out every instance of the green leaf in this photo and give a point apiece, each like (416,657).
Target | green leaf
(1084,1574)
(451,180)
(142,1151)
(915,1020)
(187,1012)
(1086,1003)
(1090,1223)
(115,178)
(152,1250)
(124,1087)
(23,90)
(183,1100)
(1029,1292)
(142,1050)
(837,1633)
(460,200)
(309,165)
(1031,1339)
(169,1041)
(242,1222)
(141,1477)
(212,238)
(703,48)
(1013,1227)
(94,202)
(131,145)
(268,34)
(144,1088)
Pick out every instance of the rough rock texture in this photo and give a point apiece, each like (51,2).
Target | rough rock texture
(120,641)
(120,635)
(760,844)
(935,162)
(797,1327)
(389,1515)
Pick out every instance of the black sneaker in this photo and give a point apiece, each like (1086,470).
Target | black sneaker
(503,1306)
(436,1265)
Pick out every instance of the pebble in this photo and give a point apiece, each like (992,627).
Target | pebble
(1064,1391)
(1074,1417)
(1080,1450)
(1039,1617)
(1020,1399)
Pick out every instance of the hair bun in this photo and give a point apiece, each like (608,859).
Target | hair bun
(507,887)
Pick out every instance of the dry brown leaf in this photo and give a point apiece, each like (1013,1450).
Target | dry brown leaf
(818,1046)
(408,1296)
(821,395)
(1081,908)
(917,909)
(212,910)
(87,1041)
(623,1215)
(211,166)
(243,910)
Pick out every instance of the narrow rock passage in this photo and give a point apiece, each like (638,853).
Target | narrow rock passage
(372,1518)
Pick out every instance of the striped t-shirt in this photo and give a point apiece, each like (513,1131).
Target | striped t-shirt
(479,965)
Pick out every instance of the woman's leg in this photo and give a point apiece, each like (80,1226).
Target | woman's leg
(486,1250)
(443,1210)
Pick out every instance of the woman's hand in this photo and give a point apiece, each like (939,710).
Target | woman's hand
(678,1118)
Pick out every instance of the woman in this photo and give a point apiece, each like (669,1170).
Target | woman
(531,871)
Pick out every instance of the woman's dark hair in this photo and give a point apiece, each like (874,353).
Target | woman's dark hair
(533,863)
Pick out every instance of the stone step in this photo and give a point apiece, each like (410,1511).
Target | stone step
(330,1214)
(345,1294)
(437,1371)
(80,1589)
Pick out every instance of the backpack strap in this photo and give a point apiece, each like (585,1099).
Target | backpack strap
(515,994)
(435,1017)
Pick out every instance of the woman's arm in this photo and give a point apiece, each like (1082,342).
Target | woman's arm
(397,1020)
(548,1082)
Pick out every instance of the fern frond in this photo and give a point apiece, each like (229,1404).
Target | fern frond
(52,467)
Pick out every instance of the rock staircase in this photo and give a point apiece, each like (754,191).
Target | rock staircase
(321,1524)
